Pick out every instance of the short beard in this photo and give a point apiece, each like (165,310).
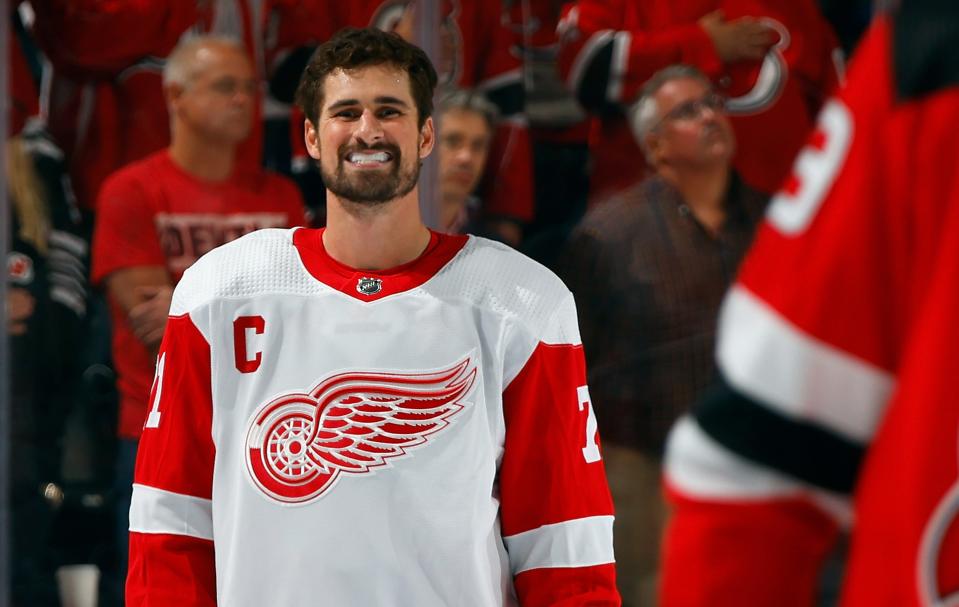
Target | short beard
(371,189)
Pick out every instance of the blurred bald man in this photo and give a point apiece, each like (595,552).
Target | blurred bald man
(157,216)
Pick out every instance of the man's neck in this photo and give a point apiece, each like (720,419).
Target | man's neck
(704,192)
(377,238)
(204,160)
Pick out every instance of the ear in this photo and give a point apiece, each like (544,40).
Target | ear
(312,139)
(427,138)
(172,94)
(654,148)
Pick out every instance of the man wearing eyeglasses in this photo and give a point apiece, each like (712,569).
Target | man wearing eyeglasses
(157,216)
(649,269)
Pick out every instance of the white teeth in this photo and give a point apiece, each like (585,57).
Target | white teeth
(359,158)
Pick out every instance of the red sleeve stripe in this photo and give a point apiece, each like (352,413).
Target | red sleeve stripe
(583,542)
(772,361)
(157,511)
(698,467)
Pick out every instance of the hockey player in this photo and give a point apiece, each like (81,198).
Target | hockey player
(475,54)
(839,359)
(372,413)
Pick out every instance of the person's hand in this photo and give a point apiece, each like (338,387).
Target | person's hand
(148,318)
(20,305)
(742,39)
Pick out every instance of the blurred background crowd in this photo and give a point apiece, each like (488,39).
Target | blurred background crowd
(629,145)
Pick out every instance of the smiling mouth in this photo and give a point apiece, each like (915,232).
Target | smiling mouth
(368,158)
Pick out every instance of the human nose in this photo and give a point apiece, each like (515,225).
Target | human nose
(369,129)
(247,92)
(708,111)
(713,106)
(242,96)
(463,155)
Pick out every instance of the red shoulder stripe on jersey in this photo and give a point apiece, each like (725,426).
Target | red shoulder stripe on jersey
(440,250)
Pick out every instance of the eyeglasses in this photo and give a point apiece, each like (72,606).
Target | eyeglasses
(228,87)
(692,109)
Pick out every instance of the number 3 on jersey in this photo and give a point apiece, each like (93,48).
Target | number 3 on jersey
(153,420)
(793,209)
(591,450)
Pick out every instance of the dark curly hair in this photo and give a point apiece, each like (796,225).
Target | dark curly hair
(352,48)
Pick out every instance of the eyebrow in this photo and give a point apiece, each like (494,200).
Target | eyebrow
(382,100)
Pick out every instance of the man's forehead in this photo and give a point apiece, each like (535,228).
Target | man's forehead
(463,119)
(684,87)
(220,56)
(367,83)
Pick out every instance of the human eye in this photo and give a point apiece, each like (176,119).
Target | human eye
(226,86)
(389,112)
(687,110)
(346,114)
(716,101)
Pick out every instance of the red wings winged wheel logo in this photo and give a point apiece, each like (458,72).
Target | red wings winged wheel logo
(298,444)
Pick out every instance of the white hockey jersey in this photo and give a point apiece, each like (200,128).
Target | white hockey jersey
(326,436)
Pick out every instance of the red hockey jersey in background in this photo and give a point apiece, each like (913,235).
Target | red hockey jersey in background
(104,99)
(611,47)
(838,353)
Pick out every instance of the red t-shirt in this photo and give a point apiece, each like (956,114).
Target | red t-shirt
(152,213)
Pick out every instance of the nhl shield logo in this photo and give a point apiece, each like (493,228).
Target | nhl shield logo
(369,286)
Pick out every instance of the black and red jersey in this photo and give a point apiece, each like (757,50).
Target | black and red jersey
(837,349)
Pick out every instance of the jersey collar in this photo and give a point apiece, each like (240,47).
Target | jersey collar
(370,285)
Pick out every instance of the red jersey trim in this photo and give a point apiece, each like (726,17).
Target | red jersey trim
(378,283)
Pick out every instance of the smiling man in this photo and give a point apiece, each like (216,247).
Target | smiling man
(372,413)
